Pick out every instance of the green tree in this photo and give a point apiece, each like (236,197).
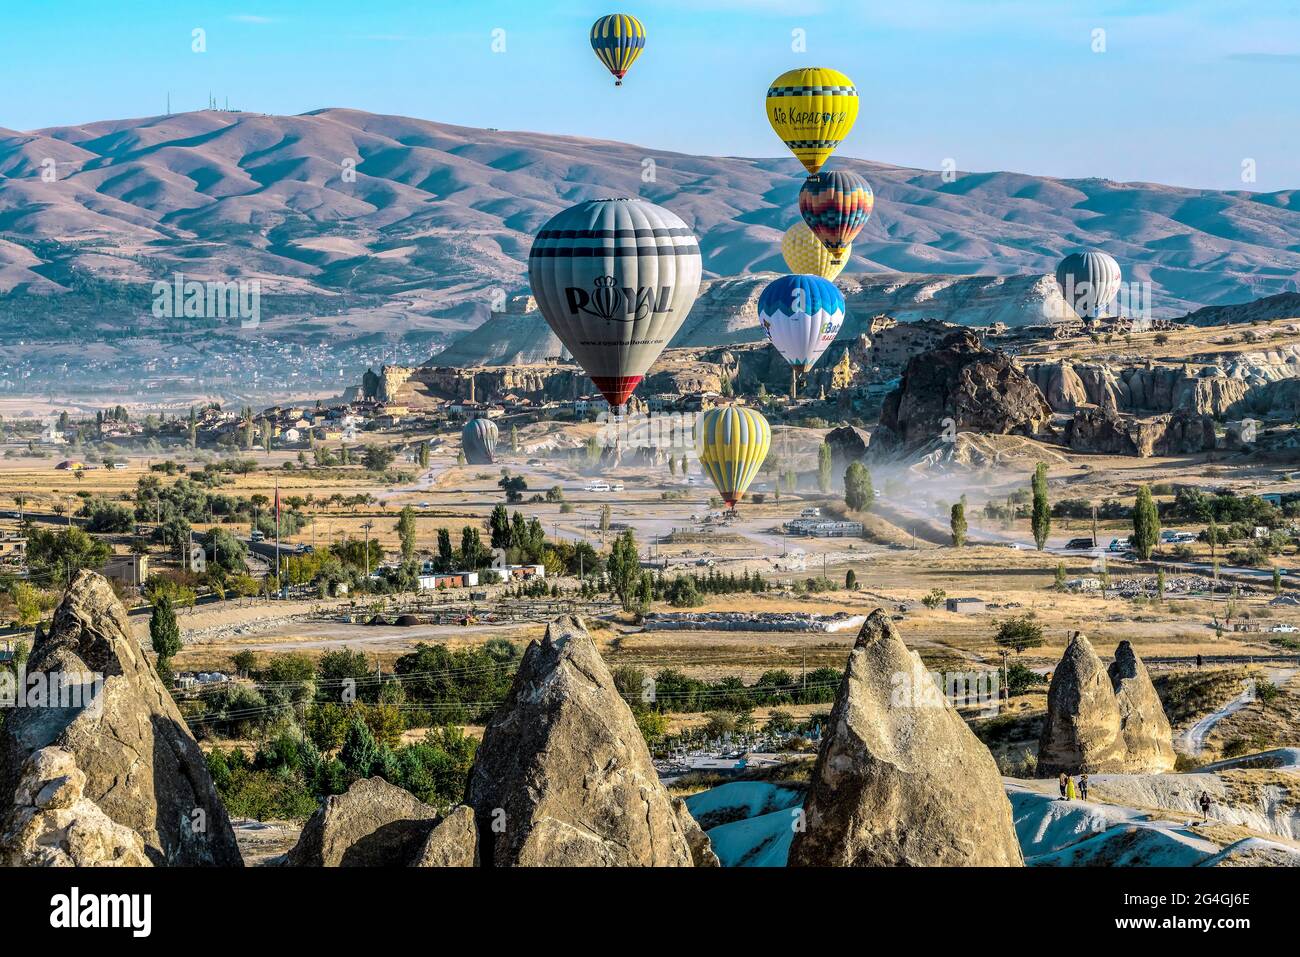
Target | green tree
(1277,582)
(377,458)
(1146,523)
(164,635)
(859,495)
(824,468)
(406,533)
(1041,516)
(624,569)
(499,527)
(1160,583)
(1019,634)
(1059,583)
(850,580)
(957,520)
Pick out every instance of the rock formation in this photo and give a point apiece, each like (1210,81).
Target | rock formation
(848,445)
(52,824)
(1105,432)
(960,386)
(1102,720)
(702,854)
(1147,735)
(453,842)
(1082,730)
(140,764)
(563,776)
(900,778)
(375,824)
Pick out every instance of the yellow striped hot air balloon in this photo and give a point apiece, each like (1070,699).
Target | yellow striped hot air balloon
(732,442)
(618,40)
(812,109)
(804,253)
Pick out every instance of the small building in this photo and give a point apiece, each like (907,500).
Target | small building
(13,549)
(964,606)
(129,571)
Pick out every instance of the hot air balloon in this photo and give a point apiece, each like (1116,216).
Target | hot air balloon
(805,253)
(836,206)
(732,442)
(801,315)
(812,109)
(615,279)
(478,440)
(618,40)
(1089,280)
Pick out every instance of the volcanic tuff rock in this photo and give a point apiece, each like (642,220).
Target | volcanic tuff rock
(142,766)
(453,842)
(1148,388)
(900,778)
(1145,728)
(563,776)
(1103,721)
(848,445)
(961,386)
(1101,431)
(374,824)
(52,824)
(1082,730)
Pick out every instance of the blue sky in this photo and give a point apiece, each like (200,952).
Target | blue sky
(1184,92)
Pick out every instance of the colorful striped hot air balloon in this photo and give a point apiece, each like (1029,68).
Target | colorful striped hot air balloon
(615,279)
(732,442)
(812,109)
(836,206)
(801,315)
(478,440)
(1089,280)
(618,40)
(804,253)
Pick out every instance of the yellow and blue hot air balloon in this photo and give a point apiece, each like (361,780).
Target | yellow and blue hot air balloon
(732,442)
(618,40)
(804,253)
(812,109)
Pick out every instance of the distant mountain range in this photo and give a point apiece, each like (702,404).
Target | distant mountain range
(350,214)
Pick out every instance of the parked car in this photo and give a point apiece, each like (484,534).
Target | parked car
(1284,629)
(1079,544)
(596,487)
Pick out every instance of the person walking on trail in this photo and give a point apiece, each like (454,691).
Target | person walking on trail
(1083,787)
(1070,793)
(1062,782)
(1205,806)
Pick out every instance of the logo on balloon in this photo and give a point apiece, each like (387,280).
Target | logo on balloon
(614,304)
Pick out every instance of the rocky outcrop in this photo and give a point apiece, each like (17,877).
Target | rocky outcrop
(960,386)
(1082,730)
(1103,720)
(1102,432)
(374,824)
(1147,735)
(563,776)
(452,843)
(141,766)
(702,854)
(52,824)
(848,445)
(901,780)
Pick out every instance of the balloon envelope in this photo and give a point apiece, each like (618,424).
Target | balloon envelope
(804,253)
(478,440)
(812,109)
(732,442)
(836,206)
(618,40)
(801,315)
(1089,280)
(615,279)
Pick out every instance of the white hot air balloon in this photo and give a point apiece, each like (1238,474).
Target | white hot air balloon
(615,279)
(1089,280)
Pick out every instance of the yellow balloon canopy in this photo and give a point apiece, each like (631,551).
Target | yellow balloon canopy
(812,109)
(804,253)
(732,442)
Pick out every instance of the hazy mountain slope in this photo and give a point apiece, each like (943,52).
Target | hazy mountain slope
(451,211)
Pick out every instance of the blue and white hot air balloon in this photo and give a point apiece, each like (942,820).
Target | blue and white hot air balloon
(478,440)
(1089,280)
(801,315)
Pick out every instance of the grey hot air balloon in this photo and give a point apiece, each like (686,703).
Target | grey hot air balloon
(1089,280)
(479,441)
(615,279)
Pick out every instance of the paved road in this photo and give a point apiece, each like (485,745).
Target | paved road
(1192,741)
